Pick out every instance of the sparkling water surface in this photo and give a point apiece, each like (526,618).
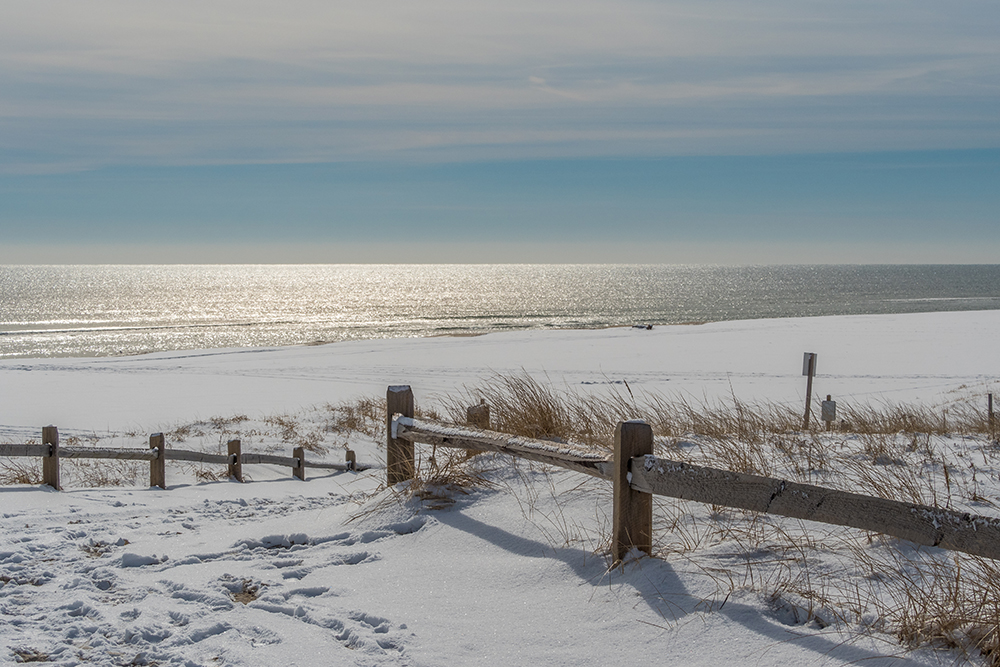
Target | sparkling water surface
(50,311)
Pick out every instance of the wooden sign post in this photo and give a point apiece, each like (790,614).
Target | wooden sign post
(809,370)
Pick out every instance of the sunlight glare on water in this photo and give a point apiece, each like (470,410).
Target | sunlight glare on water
(113,310)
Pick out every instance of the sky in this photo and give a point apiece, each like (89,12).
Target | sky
(440,131)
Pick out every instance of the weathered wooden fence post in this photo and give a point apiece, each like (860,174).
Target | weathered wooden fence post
(399,464)
(235,460)
(299,471)
(158,466)
(50,462)
(633,510)
(479,415)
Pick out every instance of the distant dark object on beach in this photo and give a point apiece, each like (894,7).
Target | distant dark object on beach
(647,327)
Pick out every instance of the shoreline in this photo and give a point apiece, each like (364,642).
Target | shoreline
(478,334)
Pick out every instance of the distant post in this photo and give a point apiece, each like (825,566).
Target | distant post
(158,466)
(809,370)
(235,460)
(50,462)
(399,463)
(632,522)
(989,400)
(479,415)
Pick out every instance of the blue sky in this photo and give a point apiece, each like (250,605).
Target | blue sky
(721,132)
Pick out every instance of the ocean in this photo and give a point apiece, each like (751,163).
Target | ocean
(59,311)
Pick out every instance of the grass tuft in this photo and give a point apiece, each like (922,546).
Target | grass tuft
(29,655)
(20,471)
(248,592)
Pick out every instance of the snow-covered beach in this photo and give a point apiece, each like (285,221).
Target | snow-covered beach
(333,571)
(922,357)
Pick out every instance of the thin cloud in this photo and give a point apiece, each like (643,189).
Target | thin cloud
(110,81)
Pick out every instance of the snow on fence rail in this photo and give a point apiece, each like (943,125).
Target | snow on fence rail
(51,452)
(637,475)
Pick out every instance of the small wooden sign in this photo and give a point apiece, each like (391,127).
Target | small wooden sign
(806,358)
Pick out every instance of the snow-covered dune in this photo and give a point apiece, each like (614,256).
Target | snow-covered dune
(334,571)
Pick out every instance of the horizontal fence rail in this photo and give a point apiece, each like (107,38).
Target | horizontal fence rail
(568,456)
(341,466)
(51,453)
(197,457)
(638,475)
(120,454)
(24,450)
(933,527)
(288,461)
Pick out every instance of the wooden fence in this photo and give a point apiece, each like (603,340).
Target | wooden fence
(51,453)
(638,475)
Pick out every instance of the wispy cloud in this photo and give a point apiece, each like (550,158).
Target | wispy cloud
(117,82)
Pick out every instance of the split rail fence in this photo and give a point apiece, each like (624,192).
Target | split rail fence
(637,475)
(52,453)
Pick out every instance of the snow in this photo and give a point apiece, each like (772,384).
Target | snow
(400,420)
(338,570)
(866,357)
